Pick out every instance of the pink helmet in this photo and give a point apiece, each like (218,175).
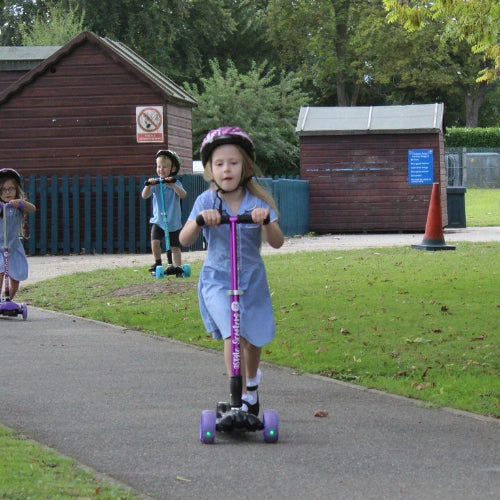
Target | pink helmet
(226,135)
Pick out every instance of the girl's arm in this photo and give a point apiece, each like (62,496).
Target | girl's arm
(24,205)
(274,235)
(189,233)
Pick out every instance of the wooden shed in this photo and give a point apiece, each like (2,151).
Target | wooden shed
(371,169)
(90,107)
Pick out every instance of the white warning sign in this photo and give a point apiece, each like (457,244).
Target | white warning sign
(149,123)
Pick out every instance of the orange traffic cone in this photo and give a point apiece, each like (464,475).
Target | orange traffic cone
(434,237)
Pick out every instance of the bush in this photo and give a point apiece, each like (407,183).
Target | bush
(457,137)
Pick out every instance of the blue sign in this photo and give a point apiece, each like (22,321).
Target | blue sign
(420,167)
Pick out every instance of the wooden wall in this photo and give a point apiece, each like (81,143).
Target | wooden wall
(7,78)
(78,118)
(360,183)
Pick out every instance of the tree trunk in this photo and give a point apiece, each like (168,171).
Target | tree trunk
(473,100)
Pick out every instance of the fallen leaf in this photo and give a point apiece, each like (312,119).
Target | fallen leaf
(321,413)
(344,331)
(481,337)
(425,372)
(421,387)
(321,349)
(296,355)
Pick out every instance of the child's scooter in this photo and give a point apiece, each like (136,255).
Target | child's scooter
(229,417)
(7,306)
(179,272)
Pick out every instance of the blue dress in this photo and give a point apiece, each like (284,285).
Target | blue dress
(172,206)
(18,263)
(257,318)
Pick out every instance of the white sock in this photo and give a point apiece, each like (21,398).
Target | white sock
(250,397)
(251,382)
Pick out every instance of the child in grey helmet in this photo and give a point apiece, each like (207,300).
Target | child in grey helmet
(227,154)
(15,204)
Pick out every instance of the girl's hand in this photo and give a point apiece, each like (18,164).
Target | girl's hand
(259,215)
(16,203)
(211,217)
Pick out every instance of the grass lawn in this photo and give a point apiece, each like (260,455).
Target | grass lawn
(482,207)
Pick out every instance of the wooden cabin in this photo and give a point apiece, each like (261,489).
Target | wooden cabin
(91,107)
(371,169)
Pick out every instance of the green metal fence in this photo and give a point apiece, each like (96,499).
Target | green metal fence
(107,214)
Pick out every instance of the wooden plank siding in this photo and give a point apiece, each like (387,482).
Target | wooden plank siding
(76,115)
(359,183)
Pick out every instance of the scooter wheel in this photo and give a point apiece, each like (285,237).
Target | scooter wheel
(160,272)
(24,311)
(270,420)
(207,427)
(186,270)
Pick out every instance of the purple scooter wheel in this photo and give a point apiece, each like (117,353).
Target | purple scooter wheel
(207,426)
(271,426)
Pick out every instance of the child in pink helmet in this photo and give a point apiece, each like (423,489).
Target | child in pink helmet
(228,155)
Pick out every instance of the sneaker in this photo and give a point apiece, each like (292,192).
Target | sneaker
(152,269)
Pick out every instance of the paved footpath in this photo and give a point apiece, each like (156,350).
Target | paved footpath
(128,405)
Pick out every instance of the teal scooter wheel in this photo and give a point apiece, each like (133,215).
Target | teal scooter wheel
(186,270)
(160,272)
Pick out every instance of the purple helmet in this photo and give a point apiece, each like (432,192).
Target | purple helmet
(226,135)
(174,158)
(10,172)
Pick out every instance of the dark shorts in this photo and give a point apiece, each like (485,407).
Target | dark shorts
(157,233)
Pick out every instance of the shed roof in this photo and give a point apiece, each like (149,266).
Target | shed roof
(414,118)
(24,58)
(117,51)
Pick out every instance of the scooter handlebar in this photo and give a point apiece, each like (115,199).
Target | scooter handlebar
(160,181)
(242,219)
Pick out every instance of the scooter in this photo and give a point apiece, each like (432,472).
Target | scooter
(229,417)
(160,271)
(7,306)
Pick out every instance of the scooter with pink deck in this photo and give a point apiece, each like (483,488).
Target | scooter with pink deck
(229,417)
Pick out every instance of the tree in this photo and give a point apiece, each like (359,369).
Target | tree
(262,102)
(475,21)
(56,27)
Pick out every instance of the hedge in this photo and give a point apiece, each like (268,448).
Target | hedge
(456,137)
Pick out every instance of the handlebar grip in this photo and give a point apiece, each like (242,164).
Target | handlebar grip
(242,219)
(160,181)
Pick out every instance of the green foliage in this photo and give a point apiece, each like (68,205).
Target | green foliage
(457,137)
(57,27)
(261,102)
(475,21)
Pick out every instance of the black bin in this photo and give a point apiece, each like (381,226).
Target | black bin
(456,206)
